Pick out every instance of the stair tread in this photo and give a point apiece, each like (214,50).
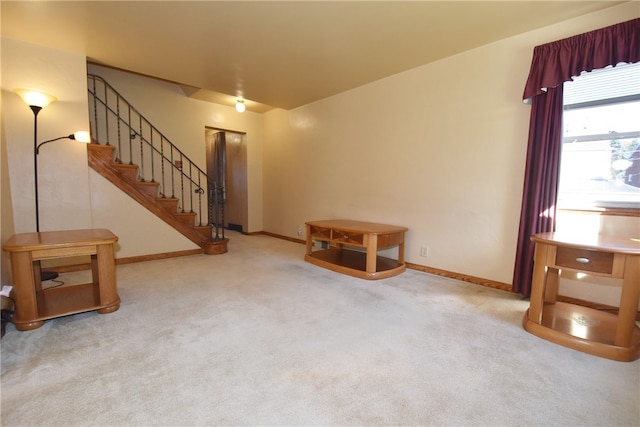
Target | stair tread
(169,203)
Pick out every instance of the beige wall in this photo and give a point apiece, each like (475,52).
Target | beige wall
(183,121)
(72,195)
(63,184)
(439,149)
(6,206)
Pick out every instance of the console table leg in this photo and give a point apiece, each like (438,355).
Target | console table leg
(104,263)
(372,253)
(628,303)
(26,281)
(552,285)
(538,284)
(309,240)
(37,276)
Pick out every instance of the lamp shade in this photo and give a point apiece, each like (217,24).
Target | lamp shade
(82,136)
(35,98)
(240,106)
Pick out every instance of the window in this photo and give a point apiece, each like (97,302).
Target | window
(600,161)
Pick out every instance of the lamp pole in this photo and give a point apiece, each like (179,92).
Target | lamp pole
(36,110)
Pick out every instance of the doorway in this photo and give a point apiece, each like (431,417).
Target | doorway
(235,177)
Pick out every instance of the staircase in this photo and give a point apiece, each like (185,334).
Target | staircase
(133,155)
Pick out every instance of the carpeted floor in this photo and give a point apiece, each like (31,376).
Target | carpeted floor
(259,337)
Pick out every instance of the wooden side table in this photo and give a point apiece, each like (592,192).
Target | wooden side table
(591,331)
(342,234)
(34,305)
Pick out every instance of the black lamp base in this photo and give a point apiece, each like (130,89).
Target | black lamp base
(48,275)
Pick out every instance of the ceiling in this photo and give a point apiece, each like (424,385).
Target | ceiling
(272,53)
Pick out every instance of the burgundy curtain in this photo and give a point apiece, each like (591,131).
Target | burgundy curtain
(552,65)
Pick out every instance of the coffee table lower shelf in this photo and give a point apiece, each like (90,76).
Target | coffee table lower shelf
(583,329)
(353,263)
(64,301)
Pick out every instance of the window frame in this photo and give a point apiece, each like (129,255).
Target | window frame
(603,208)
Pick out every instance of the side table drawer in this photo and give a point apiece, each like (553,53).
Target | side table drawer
(586,260)
(38,254)
(336,236)
(348,237)
(389,240)
(320,233)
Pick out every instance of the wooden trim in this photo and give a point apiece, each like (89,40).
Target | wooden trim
(462,277)
(143,258)
(222,129)
(606,211)
(127,260)
(506,287)
(279,236)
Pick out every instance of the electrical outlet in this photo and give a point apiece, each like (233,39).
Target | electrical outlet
(424,251)
(299,231)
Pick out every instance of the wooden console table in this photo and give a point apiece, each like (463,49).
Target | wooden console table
(591,331)
(34,305)
(343,236)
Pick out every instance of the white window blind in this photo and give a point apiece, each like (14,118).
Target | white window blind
(620,81)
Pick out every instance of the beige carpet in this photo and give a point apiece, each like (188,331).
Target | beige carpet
(259,337)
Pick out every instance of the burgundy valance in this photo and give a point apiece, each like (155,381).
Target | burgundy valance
(557,62)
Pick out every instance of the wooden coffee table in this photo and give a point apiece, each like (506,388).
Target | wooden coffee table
(344,241)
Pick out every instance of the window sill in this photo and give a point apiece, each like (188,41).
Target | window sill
(605,211)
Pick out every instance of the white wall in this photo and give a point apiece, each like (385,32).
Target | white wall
(439,149)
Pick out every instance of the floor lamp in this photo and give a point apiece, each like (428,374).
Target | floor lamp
(37,101)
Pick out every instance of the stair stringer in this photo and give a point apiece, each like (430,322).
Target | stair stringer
(100,158)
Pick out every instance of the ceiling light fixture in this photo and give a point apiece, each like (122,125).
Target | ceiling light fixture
(240,107)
